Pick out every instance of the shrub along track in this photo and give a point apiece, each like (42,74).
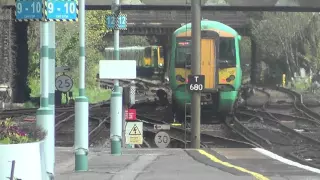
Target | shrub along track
(294,136)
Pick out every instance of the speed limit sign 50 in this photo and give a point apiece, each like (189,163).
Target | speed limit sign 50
(64,83)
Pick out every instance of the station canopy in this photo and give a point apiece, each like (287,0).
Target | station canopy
(289,5)
(241,3)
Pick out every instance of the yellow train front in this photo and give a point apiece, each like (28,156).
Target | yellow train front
(150,59)
(220,63)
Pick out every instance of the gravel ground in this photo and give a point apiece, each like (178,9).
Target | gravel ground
(277,97)
(310,99)
(257,99)
(220,130)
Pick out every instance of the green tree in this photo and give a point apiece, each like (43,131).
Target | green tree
(279,35)
(67,48)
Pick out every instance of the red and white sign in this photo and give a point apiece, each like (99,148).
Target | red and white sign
(131,114)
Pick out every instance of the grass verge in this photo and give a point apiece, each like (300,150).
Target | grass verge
(93,94)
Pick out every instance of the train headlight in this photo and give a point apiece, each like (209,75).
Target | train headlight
(160,64)
(230,78)
(180,78)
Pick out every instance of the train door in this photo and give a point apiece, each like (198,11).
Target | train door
(208,62)
(147,57)
(154,60)
(160,56)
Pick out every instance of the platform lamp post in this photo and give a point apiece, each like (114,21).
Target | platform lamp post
(116,96)
(195,69)
(81,102)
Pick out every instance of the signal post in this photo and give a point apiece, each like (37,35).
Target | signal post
(195,71)
(116,22)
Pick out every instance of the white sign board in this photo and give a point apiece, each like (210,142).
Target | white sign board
(161,126)
(117,69)
(134,132)
(62,69)
(64,83)
(162,139)
(302,72)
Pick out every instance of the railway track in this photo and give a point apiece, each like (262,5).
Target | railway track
(271,134)
(32,111)
(143,87)
(99,120)
(295,136)
(181,137)
(64,126)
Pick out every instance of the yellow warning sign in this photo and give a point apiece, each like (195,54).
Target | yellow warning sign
(135,131)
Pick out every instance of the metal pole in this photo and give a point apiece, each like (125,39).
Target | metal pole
(45,118)
(116,96)
(13,163)
(52,73)
(81,136)
(124,107)
(195,70)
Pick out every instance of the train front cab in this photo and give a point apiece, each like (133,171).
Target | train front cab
(230,74)
(146,67)
(182,68)
(228,81)
(159,56)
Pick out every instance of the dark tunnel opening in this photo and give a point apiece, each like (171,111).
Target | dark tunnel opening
(21,92)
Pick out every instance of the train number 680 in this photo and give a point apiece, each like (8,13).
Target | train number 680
(196,87)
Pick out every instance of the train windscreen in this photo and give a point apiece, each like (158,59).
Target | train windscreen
(183,53)
(227,53)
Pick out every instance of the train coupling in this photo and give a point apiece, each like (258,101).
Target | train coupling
(163,97)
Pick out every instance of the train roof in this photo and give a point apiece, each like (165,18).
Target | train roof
(208,25)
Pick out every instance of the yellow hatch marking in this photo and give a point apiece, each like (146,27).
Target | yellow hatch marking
(216,160)
(176,124)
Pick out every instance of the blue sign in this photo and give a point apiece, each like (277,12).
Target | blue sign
(29,10)
(122,21)
(59,10)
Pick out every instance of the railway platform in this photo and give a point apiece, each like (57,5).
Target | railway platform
(188,164)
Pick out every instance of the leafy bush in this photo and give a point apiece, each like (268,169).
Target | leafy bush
(13,133)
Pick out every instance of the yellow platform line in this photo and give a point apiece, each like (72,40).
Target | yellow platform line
(216,160)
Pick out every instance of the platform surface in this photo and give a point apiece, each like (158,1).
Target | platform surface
(189,164)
